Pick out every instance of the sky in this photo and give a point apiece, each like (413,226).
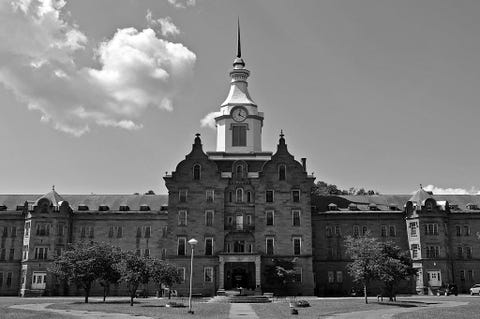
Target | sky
(106,96)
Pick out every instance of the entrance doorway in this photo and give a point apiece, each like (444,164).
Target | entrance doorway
(240,275)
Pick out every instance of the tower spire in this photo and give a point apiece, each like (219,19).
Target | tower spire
(239,47)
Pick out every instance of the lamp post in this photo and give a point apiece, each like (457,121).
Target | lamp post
(192,242)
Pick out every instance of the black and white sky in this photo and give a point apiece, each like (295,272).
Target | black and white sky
(106,96)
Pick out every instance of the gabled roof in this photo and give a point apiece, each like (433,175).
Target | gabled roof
(53,197)
(420,196)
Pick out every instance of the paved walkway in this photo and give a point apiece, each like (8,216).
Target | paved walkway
(390,312)
(77,313)
(242,310)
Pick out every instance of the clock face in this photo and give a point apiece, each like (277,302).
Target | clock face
(239,114)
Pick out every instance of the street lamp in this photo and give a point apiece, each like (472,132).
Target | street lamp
(192,242)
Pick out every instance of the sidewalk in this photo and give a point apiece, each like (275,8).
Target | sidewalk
(242,310)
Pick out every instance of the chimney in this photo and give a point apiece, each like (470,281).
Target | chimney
(304,163)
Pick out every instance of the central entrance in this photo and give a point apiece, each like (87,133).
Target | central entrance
(239,275)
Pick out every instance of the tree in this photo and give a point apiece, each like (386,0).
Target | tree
(164,273)
(281,272)
(135,271)
(396,265)
(108,268)
(150,192)
(365,253)
(83,263)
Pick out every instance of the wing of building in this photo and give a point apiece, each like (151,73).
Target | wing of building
(249,210)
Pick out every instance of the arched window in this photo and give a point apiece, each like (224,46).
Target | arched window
(282,172)
(239,171)
(239,194)
(196,171)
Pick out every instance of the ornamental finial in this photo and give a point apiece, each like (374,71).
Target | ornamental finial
(239,47)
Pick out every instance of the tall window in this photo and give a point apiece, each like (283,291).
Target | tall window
(239,195)
(459,252)
(356,231)
(269,196)
(431,229)
(270,217)
(270,243)
(249,197)
(209,195)
(414,251)
(433,251)
(384,231)
(364,230)
(282,172)
(182,196)
(239,246)
(239,221)
(297,245)
(466,230)
(181,271)
(119,231)
(296,218)
(208,274)
(239,171)
(27,228)
(468,252)
(296,196)
(392,231)
(43,229)
(298,274)
(110,232)
(196,171)
(13,231)
(209,246)
(458,230)
(239,135)
(209,218)
(331,277)
(60,229)
(413,229)
(147,230)
(339,276)
(1,279)
(11,255)
(41,253)
(182,218)
(181,246)
(139,232)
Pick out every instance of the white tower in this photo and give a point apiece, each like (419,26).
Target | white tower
(239,127)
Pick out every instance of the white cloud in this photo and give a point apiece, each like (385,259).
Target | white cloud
(167,27)
(209,119)
(136,69)
(449,190)
(182,4)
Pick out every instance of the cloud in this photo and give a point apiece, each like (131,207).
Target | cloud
(452,191)
(182,4)
(136,69)
(209,119)
(167,27)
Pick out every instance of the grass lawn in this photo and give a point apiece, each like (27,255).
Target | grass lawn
(9,313)
(318,309)
(151,307)
(472,310)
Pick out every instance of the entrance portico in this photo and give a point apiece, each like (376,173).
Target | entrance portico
(237,270)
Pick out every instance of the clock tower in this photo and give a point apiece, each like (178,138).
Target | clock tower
(239,125)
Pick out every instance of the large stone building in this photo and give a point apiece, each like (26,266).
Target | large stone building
(248,208)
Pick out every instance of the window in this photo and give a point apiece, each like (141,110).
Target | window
(147,230)
(270,217)
(41,253)
(43,229)
(182,218)
(468,251)
(146,253)
(328,231)
(392,231)
(458,230)
(110,232)
(9,279)
(3,253)
(331,277)
(296,218)
(119,231)
(239,171)
(11,255)
(1,279)
(364,230)
(209,246)
(270,243)
(164,231)
(230,197)
(470,275)
(27,229)
(13,231)
(239,221)
(432,251)
(138,252)
(330,252)
(181,271)
(209,195)
(414,251)
(298,274)
(82,232)
(337,230)
(282,172)
(384,231)
(429,206)
(239,246)
(182,195)
(164,254)
(139,232)
(90,231)
(5,231)
(297,245)
(181,246)
(466,230)
(356,231)
(249,219)
(239,195)
(61,229)
(431,229)
(269,196)
(462,275)
(249,197)
(339,276)
(208,274)
(209,218)
(239,135)
(25,252)
(459,252)
(413,229)
(296,196)
(196,171)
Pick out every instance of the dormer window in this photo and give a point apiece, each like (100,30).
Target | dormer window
(393,207)
(144,208)
(472,206)
(352,206)
(103,208)
(19,208)
(124,208)
(373,207)
(453,206)
(332,206)
(82,207)
(196,171)
(282,172)
(3,207)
